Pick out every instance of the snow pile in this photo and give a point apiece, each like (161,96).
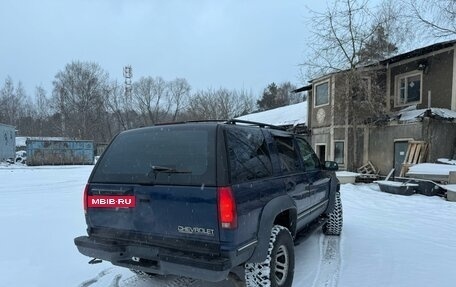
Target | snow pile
(289,115)
(431,168)
(395,183)
(446,161)
(413,114)
(21,141)
(388,240)
(346,174)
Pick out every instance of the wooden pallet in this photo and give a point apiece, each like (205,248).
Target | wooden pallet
(416,153)
(368,168)
(368,173)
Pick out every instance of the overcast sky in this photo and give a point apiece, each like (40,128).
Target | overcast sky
(215,43)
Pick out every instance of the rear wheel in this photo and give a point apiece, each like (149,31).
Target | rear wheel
(278,268)
(143,274)
(335,219)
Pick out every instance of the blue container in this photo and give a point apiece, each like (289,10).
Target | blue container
(59,152)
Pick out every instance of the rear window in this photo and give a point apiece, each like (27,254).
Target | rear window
(177,155)
(248,154)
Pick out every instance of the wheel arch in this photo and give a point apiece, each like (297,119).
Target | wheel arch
(278,211)
(334,186)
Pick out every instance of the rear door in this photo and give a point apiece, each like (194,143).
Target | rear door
(169,171)
(159,211)
(295,181)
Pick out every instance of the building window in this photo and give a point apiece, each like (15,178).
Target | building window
(408,88)
(322,94)
(339,152)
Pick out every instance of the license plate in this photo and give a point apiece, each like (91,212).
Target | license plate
(111,201)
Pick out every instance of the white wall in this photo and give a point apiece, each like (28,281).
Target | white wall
(7,142)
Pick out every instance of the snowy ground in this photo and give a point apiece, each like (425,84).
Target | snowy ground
(388,240)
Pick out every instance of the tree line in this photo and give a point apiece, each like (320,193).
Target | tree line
(86,104)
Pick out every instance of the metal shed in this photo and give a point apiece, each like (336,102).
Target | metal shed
(7,142)
(59,152)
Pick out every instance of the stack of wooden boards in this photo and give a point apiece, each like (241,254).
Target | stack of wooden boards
(416,153)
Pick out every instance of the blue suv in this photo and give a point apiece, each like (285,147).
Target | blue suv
(198,199)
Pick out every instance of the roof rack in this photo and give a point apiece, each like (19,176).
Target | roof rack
(261,125)
(205,121)
(184,122)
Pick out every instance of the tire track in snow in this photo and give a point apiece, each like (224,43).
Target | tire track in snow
(115,281)
(95,279)
(330,264)
(158,281)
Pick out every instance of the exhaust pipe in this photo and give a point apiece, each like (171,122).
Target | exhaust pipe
(95,261)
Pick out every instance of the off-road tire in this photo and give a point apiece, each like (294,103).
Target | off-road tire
(335,219)
(143,274)
(278,268)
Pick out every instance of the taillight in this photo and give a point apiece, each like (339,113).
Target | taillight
(227,208)
(84,199)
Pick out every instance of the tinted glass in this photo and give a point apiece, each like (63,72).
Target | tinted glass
(309,158)
(288,155)
(181,155)
(248,154)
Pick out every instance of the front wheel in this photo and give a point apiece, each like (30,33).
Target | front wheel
(335,219)
(278,268)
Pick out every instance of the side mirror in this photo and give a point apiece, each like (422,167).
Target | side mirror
(331,165)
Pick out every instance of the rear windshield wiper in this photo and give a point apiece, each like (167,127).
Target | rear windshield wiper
(156,169)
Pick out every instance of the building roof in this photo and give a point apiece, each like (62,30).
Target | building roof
(419,52)
(394,59)
(5,125)
(291,115)
(303,89)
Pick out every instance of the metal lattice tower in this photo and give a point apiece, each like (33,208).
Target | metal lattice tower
(128,74)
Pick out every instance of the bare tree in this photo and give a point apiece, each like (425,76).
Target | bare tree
(345,36)
(391,16)
(151,99)
(13,102)
(43,105)
(179,93)
(7,97)
(118,105)
(438,17)
(219,104)
(78,94)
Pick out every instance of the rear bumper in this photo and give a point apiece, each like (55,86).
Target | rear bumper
(160,260)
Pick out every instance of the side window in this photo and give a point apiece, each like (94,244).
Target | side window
(248,154)
(288,156)
(309,159)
